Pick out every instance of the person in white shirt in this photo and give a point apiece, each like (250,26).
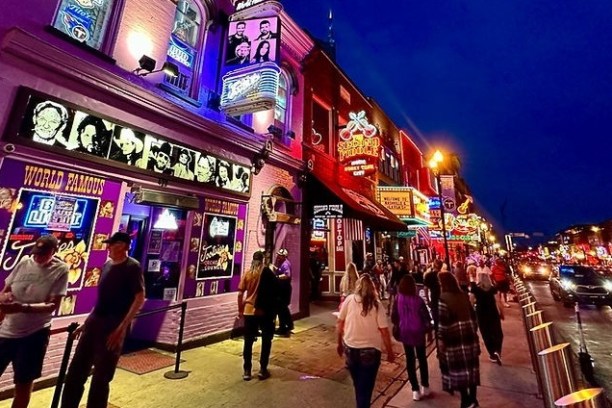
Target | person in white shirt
(362,330)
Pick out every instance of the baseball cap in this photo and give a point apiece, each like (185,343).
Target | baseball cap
(258,255)
(119,237)
(282,252)
(45,245)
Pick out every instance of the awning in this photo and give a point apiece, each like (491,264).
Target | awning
(414,222)
(357,206)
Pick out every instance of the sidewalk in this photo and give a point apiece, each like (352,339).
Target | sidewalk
(307,372)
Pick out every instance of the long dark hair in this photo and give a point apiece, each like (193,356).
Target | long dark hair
(449,283)
(259,57)
(407,286)
(367,291)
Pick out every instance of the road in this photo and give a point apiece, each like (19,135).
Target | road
(597,325)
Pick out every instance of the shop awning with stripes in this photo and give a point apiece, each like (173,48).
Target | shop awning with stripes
(357,206)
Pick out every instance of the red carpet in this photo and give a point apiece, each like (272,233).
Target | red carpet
(145,361)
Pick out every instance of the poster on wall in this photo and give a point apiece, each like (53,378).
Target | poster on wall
(36,200)
(252,41)
(217,246)
(49,123)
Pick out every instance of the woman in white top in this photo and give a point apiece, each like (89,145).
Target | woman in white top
(362,330)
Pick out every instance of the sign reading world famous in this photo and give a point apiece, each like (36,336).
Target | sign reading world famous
(359,147)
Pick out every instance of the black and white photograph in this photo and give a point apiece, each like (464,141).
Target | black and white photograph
(47,122)
(252,41)
(90,135)
(205,168)
(158,154)
(127,146)
(183,163)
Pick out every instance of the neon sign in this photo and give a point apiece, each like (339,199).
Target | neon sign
(55,212)
(181,53)
(250,89)
(359,148)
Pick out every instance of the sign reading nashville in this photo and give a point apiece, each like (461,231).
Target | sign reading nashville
(359,148)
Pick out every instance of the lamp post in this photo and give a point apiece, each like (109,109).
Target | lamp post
(437,158)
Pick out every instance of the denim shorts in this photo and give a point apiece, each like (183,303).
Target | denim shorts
(27,355)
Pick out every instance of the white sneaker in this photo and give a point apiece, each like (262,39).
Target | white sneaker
(425,391)
(416,396)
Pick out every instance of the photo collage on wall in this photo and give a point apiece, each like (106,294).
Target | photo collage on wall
(252,41)
(55,124)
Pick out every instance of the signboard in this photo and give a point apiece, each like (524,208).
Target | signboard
(340,260)
(51,124)
(396,200)
(435,213)
(421,206)
(241,5)
(449,199)
(75,207)
(327,211)
(84,20)
(217,246)
(250,89)
(252,41)
(359,147)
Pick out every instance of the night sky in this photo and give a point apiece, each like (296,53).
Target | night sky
(520,90)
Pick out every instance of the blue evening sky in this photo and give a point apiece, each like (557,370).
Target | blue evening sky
(521,90)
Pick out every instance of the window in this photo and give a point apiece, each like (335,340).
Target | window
(84,20)
(280,110)
(319,139)
(184,42)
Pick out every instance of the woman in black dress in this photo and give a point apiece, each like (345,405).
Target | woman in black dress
(489,315)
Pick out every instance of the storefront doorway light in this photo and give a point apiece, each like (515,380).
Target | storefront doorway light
(166,221)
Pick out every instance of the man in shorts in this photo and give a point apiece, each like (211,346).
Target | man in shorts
(31,293)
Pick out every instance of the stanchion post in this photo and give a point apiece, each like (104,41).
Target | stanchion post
(588,398)
(64,366)
(177,374)
(558,377)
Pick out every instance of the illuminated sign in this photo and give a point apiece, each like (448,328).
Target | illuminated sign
(57,213)
(250,89)
(240,5)
(181,53)
(359,148)
(396,200)
(218,228)
(326,211)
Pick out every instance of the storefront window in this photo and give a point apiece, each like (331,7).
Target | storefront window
(319,138)
(184,43)
(84,20)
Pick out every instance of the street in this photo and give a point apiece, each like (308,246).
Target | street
(596,324)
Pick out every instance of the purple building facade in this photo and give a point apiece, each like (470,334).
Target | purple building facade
(199,162)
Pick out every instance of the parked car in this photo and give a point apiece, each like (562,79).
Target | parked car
(581,284)
(535,270)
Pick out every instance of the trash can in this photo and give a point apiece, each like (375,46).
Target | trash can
(589,398)
(558,378)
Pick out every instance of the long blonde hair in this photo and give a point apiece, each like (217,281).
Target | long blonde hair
(484,281)
(256,266)
(367,292)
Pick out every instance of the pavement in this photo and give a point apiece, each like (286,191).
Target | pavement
(307,372)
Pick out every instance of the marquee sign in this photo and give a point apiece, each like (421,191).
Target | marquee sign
(327,211)
(359,147)
(250,89)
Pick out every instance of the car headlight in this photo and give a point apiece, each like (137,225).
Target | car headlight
(568,284)
(608,285)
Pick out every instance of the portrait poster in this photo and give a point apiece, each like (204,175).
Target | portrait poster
(252,41)
(155,242)
(217,246)
(90,134)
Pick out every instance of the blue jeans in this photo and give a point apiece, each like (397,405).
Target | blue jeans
(363,365)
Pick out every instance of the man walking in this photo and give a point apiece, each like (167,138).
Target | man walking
(283,273)
(120,297)
(31,293)
(258,309)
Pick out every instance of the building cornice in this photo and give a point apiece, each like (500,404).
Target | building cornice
(27,51)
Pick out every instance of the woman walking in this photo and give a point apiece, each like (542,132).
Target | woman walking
(458,346)
(490,314)
(411,322)
(362,330)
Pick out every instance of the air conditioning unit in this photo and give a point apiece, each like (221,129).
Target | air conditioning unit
(153,197)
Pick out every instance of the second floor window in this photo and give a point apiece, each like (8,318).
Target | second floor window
(280,110)
(183,46)
(84,20)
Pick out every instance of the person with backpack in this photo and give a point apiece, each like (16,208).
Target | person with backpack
(411,322)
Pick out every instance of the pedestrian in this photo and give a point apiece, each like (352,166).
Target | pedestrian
(315,275)
(411,322)
(348,281)
(31,293)
(432,289)
(120,297)
(372,269)
(489,314)
(398,271)
(462,276)
(501,280)
(258,309)
(362,331)
(472,270)
(283,273)
(458,345)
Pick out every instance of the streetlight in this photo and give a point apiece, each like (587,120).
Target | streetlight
(437,158)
